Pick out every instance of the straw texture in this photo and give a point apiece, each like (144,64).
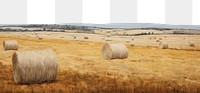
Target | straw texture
(34,66)
(10,45)
(114,51)
(163,45)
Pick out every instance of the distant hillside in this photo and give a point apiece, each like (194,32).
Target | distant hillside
(138,25)
(82,26)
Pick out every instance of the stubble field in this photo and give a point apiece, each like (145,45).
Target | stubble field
(147,69)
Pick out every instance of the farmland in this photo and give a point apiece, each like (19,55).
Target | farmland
(147,69)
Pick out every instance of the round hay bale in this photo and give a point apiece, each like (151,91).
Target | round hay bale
(114,51)
(108,34)
(163,46)
(34,66)
(48,33)
(10,45)
(128,41)
(108,39)
(192,45)
(157,40)
(132,44)
(86,37)
(40,38)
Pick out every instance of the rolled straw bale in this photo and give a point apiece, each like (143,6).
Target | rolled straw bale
(86,37)
(10,45)
(157,40)
(40,38)
(128,41)
(114,51)
(132,44)
(163,45)
(74,37)
(108,34)
(48,33)
(108,39)
(192,45)
(152,38)
(34,66)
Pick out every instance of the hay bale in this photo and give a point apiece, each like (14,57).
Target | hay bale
(163,46)
(108,34)
(157,40)
(48,33)
(108,31)
(114,51)
(86,37)
(124,33)
(128,41)
(192,45)
(132,44)
(40,38)
(151,38)
(108,39)
(10,45)
(34,66)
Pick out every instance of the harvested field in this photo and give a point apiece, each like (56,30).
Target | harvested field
(82,69)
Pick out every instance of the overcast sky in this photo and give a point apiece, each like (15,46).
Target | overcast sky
(178,12)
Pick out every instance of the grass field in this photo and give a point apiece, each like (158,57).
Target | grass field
(147,69)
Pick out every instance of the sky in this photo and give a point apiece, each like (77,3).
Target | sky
(177,12)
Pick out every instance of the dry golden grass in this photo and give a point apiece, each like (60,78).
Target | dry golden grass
(147,69)
(174,41)
(76,82)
